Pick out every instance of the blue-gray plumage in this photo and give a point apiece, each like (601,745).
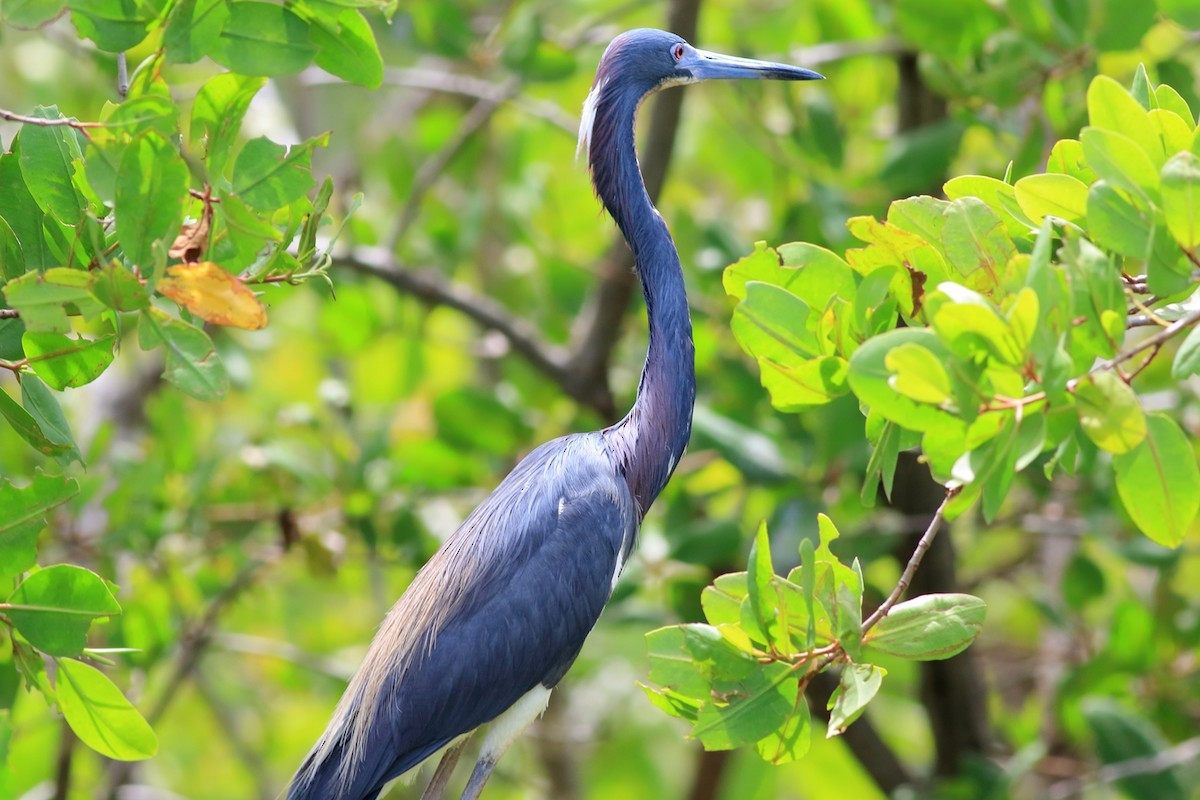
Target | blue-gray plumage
(494,620)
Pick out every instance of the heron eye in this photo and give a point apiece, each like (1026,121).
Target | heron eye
(677,52)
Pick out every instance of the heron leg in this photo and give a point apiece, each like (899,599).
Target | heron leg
(445,768)
(479,776)
(501,733)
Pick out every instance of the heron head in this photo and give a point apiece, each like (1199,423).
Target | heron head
(642,61)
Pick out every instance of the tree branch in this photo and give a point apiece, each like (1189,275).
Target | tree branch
(432,169)
(434,289)
(12,116)
(9,313)
(923,545)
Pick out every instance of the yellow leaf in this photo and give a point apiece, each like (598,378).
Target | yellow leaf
(213,295)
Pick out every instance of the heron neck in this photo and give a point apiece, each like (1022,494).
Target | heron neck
(650,440)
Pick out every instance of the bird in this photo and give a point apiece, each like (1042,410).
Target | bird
(495,618)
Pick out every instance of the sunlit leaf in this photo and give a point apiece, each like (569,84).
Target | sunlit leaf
(64,362)
(1109,412)
(268,176)
(930,627)
(54,607)
(193,28)
(1052,195)
(100,715)
(858,686)
(1159,482)
(263,39)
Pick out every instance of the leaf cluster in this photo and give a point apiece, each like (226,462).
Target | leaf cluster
(740,678)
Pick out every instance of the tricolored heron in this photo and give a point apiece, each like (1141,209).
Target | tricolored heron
(496,617)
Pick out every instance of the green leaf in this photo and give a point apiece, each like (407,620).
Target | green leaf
(1052,195)
(30,13)
(42,298)
(810,383)
(1181,197)
(23,515)
(977,245)
(114,25)
(64,362)
(1109,412)
(870,379)
(217,115)
(814,274)
(1097,310)
(928,628)
(1187,358)
(722,600)
(1000,196)
(764,264)
(858,686)
(770,324)
(1112,109)
(43,407)
(193,28)
(793,737)
(48,157)
(192,362)
(1169,98)
(100,715)
(263,39)
(746,709)
(54,607)
(918,374)
(118,288)
(27,427)
(1121,735)
(764,600)
(672,664)
(1117,159)
(347,49)
(150,189)
(268,176)
(1159,482)
(1117,224)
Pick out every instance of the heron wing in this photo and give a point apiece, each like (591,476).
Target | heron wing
(504,605)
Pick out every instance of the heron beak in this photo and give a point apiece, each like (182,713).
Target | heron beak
(706,66)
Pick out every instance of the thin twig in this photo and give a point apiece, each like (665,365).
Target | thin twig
(432,169)
(12,116)
(1185,751)
(1154,341)
(914,561)
(9,313)
(433,80)
(830,52)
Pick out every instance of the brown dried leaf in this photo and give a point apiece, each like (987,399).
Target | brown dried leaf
(213,295)
(193,237)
